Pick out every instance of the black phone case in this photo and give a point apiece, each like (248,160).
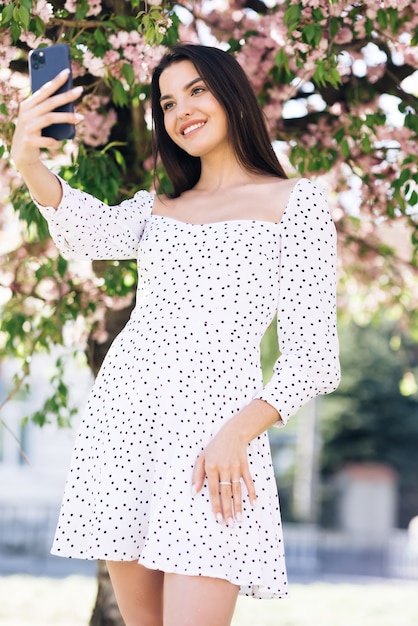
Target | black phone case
(44,65)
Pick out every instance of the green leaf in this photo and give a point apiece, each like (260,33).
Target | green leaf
(62,265)
(119,159)
(382,18)
(282,61)
(319,74)
(404,176)
(15,30)
(413,199)
(119,95)
(345,148)
(7,14)
(334,77)
(24,17)
(100,37)
(292,16)
(40,26)
(394,20)
(369,26)
(308,33)
(334,26)
(339,135)
(128,72)
(411,121)
(365,144)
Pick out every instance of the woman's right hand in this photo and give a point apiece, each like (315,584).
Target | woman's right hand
(37,112)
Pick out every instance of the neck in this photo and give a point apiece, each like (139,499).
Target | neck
(220,173)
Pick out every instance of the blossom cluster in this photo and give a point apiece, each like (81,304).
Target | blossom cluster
(339,132)
(98,120)
(95,7)
(126,47)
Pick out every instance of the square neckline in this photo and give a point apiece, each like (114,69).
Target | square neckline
(225,222)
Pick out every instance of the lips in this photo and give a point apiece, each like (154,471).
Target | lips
(188,128)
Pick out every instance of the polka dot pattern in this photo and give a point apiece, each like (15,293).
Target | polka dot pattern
(187,361)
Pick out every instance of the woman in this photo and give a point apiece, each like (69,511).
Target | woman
(171,479)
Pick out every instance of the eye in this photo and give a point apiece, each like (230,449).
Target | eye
(167,106)
(197,90)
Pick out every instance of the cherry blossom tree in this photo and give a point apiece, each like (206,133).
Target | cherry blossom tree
(338,82)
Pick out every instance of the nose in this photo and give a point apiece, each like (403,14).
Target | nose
(183,109)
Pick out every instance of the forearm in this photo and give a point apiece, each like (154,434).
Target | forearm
(252,421)
(43,184)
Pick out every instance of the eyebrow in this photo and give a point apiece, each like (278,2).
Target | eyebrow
(192,82)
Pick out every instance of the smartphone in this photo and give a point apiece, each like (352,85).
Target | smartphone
(44,65)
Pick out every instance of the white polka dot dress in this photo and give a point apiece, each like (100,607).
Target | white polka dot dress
(187,361)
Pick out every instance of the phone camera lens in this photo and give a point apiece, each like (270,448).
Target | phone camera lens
(35,65)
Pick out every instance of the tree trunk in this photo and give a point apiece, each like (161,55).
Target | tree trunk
(106,612)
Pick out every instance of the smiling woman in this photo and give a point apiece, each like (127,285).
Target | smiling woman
(193,118)
(171,479)
(246,128)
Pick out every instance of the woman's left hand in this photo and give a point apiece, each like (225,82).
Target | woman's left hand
(225,463)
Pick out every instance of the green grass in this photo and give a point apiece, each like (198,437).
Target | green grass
(27,601)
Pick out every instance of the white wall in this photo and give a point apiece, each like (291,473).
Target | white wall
(48,448)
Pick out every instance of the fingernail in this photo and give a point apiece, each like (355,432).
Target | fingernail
(65,72)
(79,117)
(219,518)
(230,522)
(78,90)
(238,517)
(254,503)
(194,490)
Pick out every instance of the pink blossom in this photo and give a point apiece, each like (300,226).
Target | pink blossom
(257,58)
(314,4)
(32,41)
(95,7)
(113,63)
(344,35)
(374,72)
(7,51)
(188,34)
(95,128)
(119,39)
(360,28)
(70,6)
(411,56)
(400,5)
(77,69)
(44,10)
(93,64)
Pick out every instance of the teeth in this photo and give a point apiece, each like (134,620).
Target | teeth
(192,127)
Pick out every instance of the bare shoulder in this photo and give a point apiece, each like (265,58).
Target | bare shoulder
(162,203)
(277,193)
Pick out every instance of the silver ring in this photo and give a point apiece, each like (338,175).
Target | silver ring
(222,482)
(236,481)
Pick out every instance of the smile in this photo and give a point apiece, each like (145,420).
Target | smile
(193,127)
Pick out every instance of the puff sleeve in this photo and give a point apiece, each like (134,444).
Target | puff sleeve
(306,316)
(83,227)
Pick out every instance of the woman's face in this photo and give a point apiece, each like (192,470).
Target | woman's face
(193,118)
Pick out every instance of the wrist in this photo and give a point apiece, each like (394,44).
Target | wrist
(253,420)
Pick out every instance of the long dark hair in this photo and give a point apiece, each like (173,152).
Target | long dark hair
(229,84)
